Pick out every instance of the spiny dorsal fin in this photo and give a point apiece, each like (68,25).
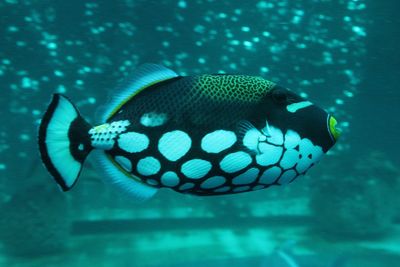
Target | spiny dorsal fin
(143,77)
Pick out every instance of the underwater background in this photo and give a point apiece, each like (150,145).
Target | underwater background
(342,54)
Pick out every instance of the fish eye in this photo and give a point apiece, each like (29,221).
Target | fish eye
(279,96)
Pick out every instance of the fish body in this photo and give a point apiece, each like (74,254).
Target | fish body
(203,135)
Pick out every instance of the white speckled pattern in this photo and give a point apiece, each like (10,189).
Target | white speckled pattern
(103,136)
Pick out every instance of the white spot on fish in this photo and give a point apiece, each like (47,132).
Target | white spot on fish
(252,138)
(276,136)
(235,162)
(124,162)
(196,168)
(153,119)
(310,154)
(247,177)
(286,177)
(152,182)
(213,182)
(133,142)
(170,179)
(174,145)
(258,187)
(218,141)
(269,176)
(250,135)
(269,154)
(148,166)
(290,158)
(222,189)
(297,106)
(292,139)
(186,186)
(241,188)
(266,130)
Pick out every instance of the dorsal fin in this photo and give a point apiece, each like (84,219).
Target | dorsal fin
(143,77)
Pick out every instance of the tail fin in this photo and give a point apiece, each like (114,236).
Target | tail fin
(64,142)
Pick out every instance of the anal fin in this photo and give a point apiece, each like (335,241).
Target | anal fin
(126,184)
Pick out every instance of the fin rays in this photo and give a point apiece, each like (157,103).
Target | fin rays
(117,177)
(143,77)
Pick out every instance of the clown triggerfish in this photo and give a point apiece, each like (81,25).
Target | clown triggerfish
(202,135)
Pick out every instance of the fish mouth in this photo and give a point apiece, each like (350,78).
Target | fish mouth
(334,132)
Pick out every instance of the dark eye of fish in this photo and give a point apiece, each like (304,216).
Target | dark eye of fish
(279,96)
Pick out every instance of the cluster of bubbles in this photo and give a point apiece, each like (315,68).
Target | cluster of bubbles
(82,48)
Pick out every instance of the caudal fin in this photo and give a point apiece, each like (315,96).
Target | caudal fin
(64,142)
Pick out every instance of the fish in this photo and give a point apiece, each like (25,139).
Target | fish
(205,135)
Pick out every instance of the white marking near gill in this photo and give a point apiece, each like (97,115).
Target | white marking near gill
(292,108)
(269,155)
(276,136)
(252,138)
(266,130)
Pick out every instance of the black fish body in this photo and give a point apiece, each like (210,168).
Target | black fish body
(203,135)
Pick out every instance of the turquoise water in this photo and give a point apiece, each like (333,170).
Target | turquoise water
(340,54)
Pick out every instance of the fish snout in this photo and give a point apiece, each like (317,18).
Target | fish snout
(333,130)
